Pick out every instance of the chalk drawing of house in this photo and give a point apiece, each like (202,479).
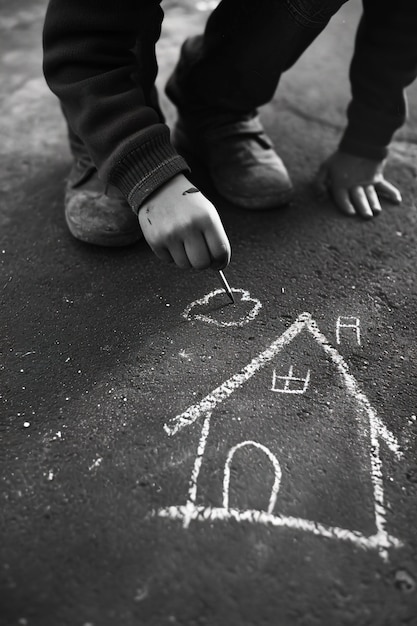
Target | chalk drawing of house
(206,410)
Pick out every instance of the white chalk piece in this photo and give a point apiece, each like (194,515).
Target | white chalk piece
(381,541)
(243,296)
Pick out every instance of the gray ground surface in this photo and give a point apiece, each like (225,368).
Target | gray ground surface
(97,356)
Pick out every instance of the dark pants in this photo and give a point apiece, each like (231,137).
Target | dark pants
(235,66)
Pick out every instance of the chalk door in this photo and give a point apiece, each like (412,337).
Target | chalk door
(245,485)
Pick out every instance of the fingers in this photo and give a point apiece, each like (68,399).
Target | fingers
(179,254)
(174,254)
(356,184)
(388,191)
(202,246)
(218,246)
(373,200)
(342,200)
(366,200)
(197,252)
(360,202)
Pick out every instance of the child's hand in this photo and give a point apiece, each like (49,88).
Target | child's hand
(355,184)
(183,227)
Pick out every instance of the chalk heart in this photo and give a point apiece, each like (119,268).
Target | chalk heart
(193,311)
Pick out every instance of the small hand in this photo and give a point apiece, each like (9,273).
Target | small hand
(182,226)
(356,184)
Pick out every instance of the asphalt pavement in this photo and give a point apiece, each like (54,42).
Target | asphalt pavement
(168,457)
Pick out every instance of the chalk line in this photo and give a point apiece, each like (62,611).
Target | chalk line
(356,326)
(287,386)
(222,392)
(389,438)
(192,488)
(272,458)
(374,422)
(380,541)
(304,321)
(245,297)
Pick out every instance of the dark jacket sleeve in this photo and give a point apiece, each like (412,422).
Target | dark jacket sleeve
(104,86)
(383,65)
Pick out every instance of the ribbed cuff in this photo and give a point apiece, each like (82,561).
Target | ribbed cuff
(369,132)
(143,164)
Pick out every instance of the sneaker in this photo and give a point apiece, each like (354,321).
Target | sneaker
(95,214)
(241,160)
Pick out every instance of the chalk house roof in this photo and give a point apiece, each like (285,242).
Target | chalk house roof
(304,322)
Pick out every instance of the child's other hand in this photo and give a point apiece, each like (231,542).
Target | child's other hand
(182,226)
(355,184)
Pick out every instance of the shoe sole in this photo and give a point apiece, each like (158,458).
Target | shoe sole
(110,240)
